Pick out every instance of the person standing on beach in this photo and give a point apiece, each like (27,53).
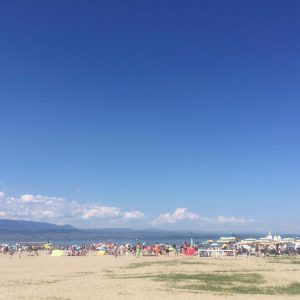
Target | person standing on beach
(138,251)
(175,250)
(115,251)
(11,252)
(35,250)
(156,249)
(167,248)
(20,251)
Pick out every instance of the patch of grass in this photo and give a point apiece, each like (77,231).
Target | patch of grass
(247,278)
(186,262)
(151,263)
(163,263)
(238,283)
(242,283)
(215,278)
(228,281)
(79,274)
(137,265)
(292,289)
(40,282)
(133,276)
(287,260)
(244,270)
(239,289)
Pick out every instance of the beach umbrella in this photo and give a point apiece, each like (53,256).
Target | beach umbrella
(215,244)
(57,253)
(206,242)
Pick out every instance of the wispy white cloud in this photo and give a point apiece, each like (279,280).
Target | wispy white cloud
(38,207)
(2,213)
(59,210)
(112,212)
(133,215)
(55,209)
(180,214)
(233,220)
(101,212)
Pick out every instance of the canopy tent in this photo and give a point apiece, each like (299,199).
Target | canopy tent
(190,251)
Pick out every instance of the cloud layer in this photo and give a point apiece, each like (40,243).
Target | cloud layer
(234,220)
(180,214)
(57,210)
(61,211)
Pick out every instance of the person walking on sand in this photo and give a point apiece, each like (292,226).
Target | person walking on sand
(20,251)
(138,251)
(156,249)
(11,252)
(167,249)
(115,251)
(175,250)
(35,251)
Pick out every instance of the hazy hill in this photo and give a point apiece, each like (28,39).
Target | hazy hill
(30,226)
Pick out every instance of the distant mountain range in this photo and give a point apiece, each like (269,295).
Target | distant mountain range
(17,226)
(17,230)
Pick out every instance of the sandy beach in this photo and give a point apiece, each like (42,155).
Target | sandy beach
(106,277)
(150,150)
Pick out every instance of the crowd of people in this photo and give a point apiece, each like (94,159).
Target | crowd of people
(267,249)
(18,249)
(139,249)
(166,249)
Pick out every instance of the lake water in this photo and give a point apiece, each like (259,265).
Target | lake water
(118,236)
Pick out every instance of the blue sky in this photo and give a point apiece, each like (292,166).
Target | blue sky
(167,114)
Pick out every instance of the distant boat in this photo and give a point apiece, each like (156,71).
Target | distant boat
(269,238)
(266,239)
